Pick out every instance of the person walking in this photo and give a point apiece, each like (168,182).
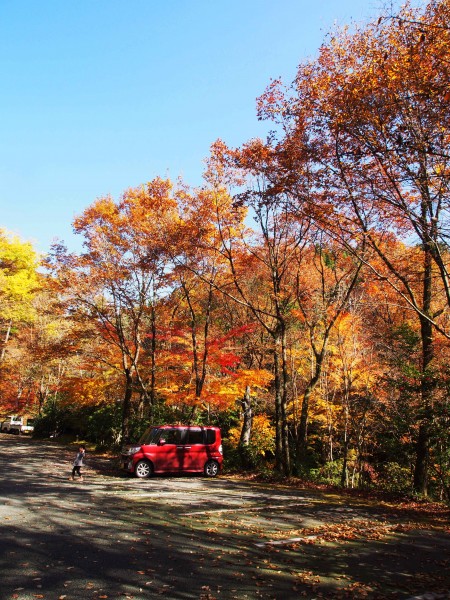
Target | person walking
(78,463)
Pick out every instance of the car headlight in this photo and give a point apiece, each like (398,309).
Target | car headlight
(133,449)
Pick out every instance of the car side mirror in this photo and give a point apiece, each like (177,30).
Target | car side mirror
(161,442)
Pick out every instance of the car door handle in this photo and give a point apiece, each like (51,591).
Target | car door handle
(184,447)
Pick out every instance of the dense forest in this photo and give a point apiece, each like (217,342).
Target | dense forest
(300,298)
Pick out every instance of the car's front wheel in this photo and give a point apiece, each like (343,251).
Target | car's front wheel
(211,468)
(143,469)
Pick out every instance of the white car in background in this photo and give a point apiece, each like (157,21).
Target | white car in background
(17,425)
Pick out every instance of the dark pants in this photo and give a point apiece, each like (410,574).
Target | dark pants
(76,469)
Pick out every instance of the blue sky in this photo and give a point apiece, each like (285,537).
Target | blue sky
(101,95)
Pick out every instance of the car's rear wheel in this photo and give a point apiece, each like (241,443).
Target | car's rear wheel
(211,468)
(143,469)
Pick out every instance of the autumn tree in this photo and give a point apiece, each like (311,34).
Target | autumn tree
(269,253)
(48,348)
(324,288)
(196,268)
(355,376)
(391,132)
(215,375)
(113,284)
(262,176)
(374,107)
(18,282)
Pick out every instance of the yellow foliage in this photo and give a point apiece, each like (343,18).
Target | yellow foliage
(262,437)
(18,278)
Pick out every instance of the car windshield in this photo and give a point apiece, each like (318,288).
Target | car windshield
(150,436)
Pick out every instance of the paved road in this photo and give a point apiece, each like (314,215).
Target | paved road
(113,536)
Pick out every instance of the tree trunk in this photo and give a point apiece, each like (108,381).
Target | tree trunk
(425,416)
(283,463)
(427,384)
(153,362)
(302,434)
(284,402)
(5,341)
(247,423)
(278,427)
(344,472)
(126,412)
(246,430)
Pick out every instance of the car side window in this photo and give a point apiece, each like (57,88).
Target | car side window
(210,436)
(172,436)
(195,436)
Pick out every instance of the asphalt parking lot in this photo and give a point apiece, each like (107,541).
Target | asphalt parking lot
(113,536)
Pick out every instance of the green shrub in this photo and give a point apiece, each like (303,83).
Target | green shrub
(53,421)
(395,478)
(104,425)
(330,473)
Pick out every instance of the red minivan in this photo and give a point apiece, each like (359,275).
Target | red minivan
(175,449)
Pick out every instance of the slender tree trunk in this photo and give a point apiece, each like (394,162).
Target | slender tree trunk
(330,432)
(283,464)
(195,357)
(284,402)
(199,362)
(246,430)
(126,412)
(362,473)
(247,422)
(344,472)
(427,385)
(152,397)
(302,436)
(425,418)
(278,424)
(5,341)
